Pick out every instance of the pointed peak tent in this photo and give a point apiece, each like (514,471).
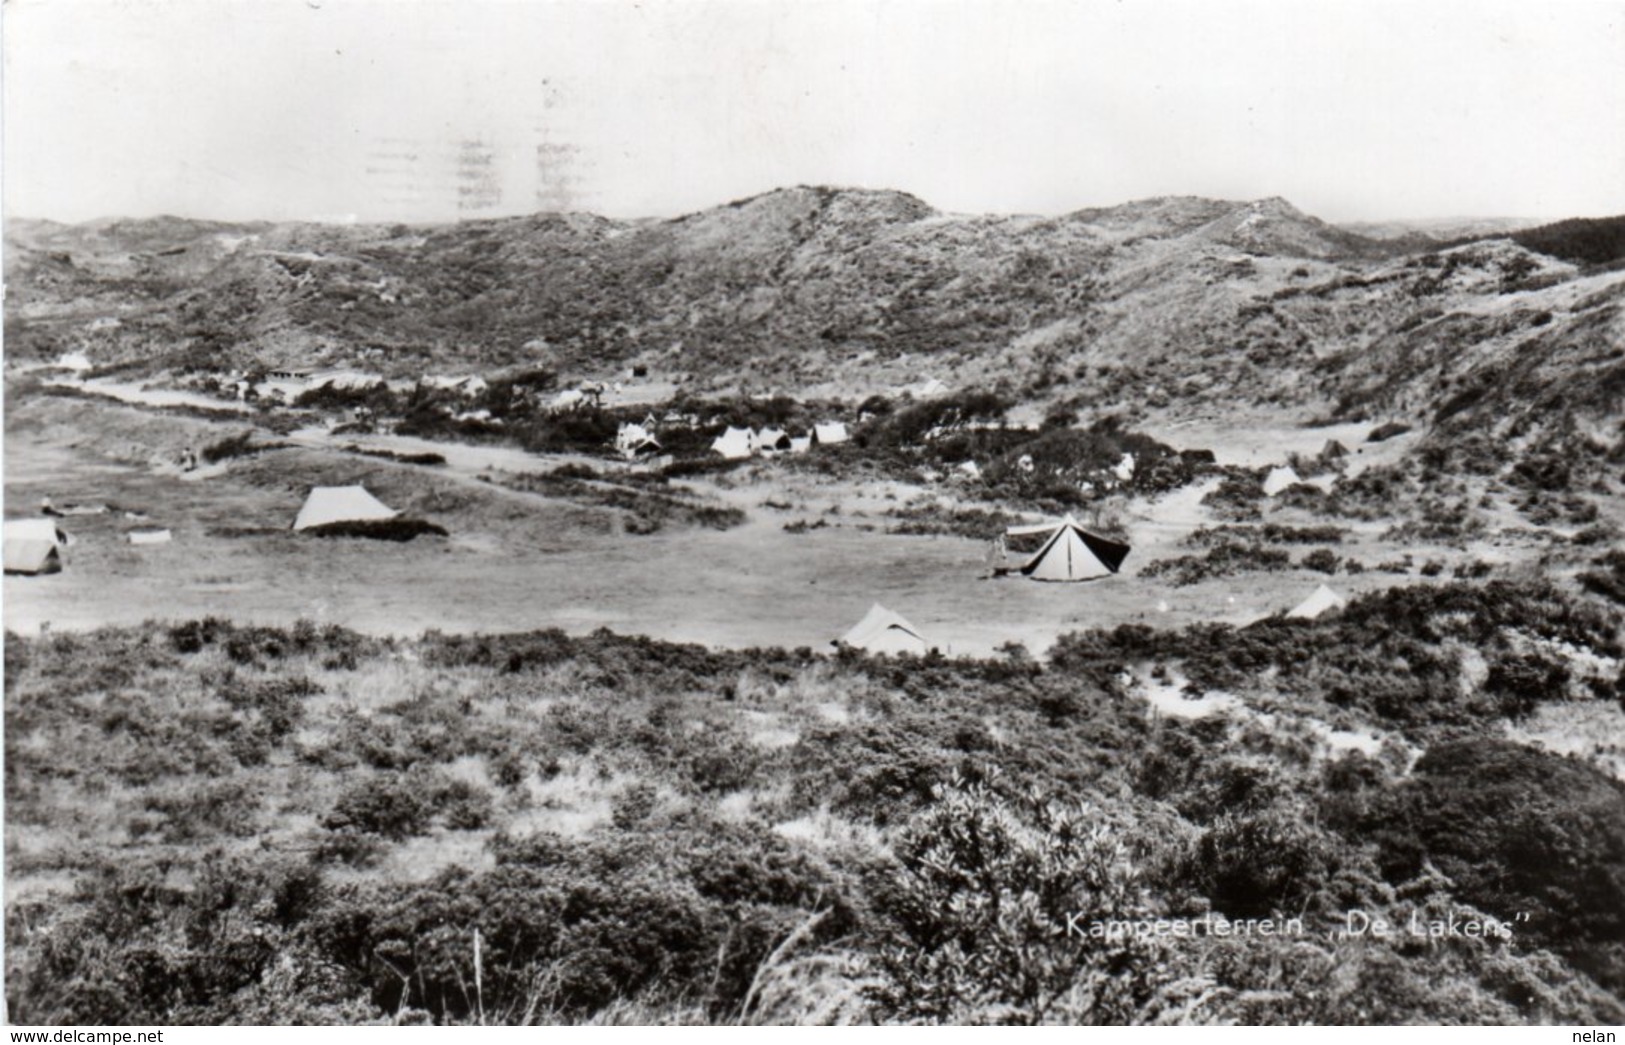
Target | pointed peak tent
(1070,553)
(1279,479)
(734,443)
(882,631)
(333,504)
(1319,602)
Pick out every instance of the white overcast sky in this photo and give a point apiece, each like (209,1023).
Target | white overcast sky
(322,109)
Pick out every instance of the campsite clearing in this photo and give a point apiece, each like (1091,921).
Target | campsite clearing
(518,560)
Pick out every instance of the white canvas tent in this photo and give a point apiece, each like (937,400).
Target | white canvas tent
(800,444)
(331,504)
(635,441)
(150,536)
(27,556)
(568,399)
(829,433)
(772,439)
(734,443)
(1279,479)
(882,631)
(1070,553)
(1322,600)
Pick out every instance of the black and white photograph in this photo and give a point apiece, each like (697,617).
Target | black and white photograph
(603,513)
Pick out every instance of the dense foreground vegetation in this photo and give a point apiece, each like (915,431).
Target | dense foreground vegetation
(209,822)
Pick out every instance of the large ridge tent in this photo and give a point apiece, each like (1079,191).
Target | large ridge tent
(1319,602)
(1070,553)
(31,546)
(331,504)
(882,631)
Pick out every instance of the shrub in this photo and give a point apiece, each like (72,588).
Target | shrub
(1321,560)
(1520,833)
(240,445)
(988,921)
(397,529)
(389,804)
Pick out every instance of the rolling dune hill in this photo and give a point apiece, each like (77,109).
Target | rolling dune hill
(1172,305)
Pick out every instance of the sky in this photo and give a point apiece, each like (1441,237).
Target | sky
(420,110)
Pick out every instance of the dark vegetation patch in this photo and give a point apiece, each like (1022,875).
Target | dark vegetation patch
(245,444)
(1268,533)
(649,505)
(1223,559)
(1585,241)
(397,529)
(936,519)
(427,458)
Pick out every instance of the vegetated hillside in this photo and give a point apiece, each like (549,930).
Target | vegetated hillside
(1590,241)
(307,825)
(798,285)
(1534,366)
(1173,303)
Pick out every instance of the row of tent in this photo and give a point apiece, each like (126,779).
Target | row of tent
(638,440)
(735,443)
(33,546)
(884,631)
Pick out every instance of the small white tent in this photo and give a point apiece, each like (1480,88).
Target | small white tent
(331,504)
(800,444)
(1279,479)
(829,433)
(734,443)
(27,556)
(771,439)
(1322,600)
(150,536)
(882,631)
(1070,553)
(635,441)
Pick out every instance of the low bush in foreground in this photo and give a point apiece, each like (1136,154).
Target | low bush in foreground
(217,823)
